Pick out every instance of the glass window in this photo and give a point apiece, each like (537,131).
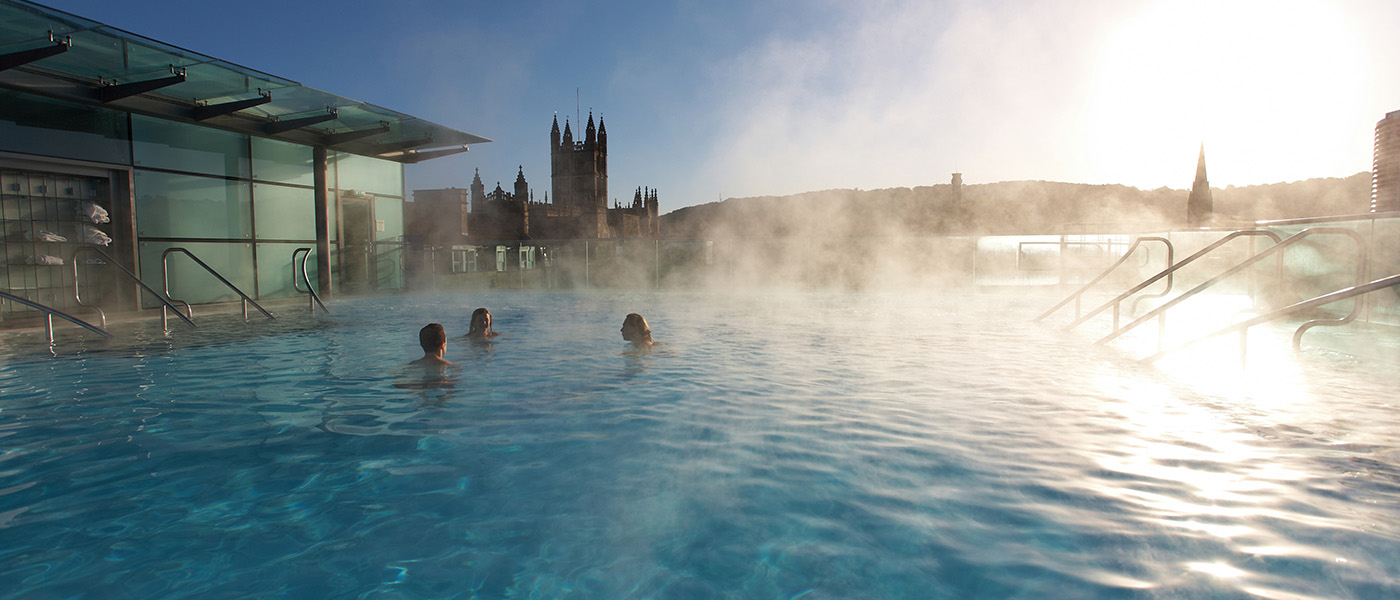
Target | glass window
(388,219)
(185,206)
(284,213)
(34,125)
(182,147)
(368,175)
(282,162)
(189,281)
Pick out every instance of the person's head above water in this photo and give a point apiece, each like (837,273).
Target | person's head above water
(481,324)
(636,330)
(433,338)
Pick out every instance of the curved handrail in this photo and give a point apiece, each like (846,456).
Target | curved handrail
(1275,249)
(315,299)
(113,262)
(1126,255)
(1173,269)
(165,278)
(78,294)
(50,313)
(1336,296)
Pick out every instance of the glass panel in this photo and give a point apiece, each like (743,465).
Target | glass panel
(189,281)
(181,147)
(388,219)
(368,175)
(185,206)
(1385,261)
(34,125)
(389,265)
(275,270)
(282,162)
(284,213)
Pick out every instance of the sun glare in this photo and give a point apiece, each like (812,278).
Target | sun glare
(1271,88)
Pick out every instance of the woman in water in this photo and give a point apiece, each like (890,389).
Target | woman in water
(480,329)
(636,330)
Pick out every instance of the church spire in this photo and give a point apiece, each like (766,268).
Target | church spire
(1200,205)
(590,133)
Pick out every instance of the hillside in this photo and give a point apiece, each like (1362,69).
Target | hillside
(1006,207)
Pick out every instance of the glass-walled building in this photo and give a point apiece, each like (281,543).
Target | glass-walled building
(115,148)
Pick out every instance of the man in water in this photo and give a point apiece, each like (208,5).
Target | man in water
(433,338)
(636,330)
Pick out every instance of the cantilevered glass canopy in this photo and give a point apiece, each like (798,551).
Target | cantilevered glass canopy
(52,53)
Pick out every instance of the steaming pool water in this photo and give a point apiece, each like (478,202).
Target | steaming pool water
(823,445)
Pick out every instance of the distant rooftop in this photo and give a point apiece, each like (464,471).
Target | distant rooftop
(51,53)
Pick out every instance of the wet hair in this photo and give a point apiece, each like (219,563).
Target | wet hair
(477,313)
(639,323)
(431,337)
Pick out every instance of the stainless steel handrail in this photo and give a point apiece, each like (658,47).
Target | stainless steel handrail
(78,294)
(1169,271)
(1336,296)
(1275,249)
(165,279)
(49,313)
(1126,255)
(315,299)
(113,262)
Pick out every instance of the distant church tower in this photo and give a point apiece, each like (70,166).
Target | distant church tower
(478,194)
(579,176)
(1200,206)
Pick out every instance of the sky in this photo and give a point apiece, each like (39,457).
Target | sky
(707,100)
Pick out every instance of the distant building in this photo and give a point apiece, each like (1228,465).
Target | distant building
(1200,208)
(1385,166)
(579,210)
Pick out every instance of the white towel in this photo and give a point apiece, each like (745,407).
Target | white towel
(43,259)
(92,211)
(95,236)
(42,235)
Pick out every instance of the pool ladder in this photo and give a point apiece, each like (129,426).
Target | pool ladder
(315,299)
(165,279)
(78,295)
(1280,244)
(166,301)
(50,313)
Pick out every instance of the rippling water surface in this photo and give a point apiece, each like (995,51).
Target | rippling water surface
(782,446)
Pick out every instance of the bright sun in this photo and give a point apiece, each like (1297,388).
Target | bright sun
(1271,87)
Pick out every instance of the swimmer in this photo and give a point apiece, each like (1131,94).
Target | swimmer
(636,330)
(433,338)
(481,325)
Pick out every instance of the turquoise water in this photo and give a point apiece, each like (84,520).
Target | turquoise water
(781,446)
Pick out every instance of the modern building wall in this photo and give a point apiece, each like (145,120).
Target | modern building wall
(240,202)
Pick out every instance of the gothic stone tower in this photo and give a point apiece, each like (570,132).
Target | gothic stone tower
(579,177)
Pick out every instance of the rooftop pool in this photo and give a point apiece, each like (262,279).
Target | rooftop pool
(817,445)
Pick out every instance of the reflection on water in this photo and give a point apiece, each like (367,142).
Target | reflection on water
(817,446)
